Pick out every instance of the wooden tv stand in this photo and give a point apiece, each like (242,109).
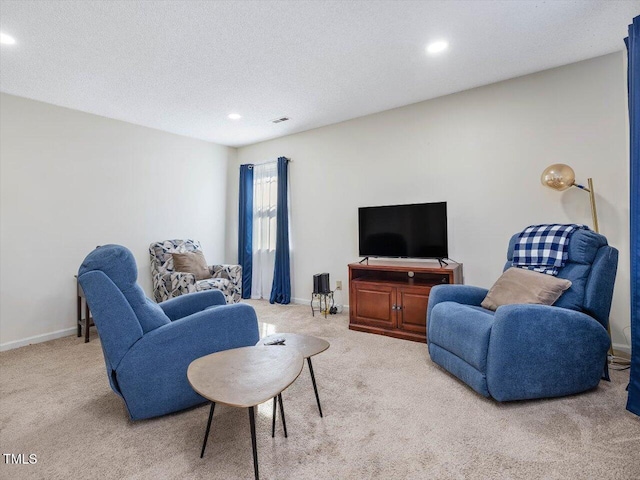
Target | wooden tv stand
(391,298)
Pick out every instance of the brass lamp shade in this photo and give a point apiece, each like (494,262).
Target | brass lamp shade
(558,176)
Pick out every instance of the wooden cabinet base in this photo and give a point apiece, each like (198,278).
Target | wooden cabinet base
(391,298)
(395,333)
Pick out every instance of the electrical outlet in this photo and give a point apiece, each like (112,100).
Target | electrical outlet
(338,284)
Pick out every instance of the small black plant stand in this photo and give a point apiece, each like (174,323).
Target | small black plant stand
(322,298)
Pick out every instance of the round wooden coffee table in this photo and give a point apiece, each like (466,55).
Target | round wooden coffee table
(245,377)
(308,346)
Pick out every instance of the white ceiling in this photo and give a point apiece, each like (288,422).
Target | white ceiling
(183,66)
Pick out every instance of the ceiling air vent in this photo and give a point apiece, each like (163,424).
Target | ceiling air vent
(280,120)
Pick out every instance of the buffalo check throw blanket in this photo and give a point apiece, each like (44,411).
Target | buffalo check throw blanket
(544,248)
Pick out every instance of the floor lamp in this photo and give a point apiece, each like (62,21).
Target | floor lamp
(562,177)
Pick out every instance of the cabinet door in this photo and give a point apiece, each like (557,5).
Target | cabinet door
(373,305)
(412,315)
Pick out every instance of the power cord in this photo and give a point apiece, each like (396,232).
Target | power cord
(622,362)
(618,363)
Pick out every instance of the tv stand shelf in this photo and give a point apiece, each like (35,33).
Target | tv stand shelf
(391,298)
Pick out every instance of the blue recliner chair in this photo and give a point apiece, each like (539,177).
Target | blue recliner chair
(147,346)
(529,351)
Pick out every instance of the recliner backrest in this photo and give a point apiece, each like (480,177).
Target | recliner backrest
(591,268)
(599,288)
(160,253)
(119,266)
(114,318)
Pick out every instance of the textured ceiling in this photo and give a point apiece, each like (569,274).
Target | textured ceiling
(183,66)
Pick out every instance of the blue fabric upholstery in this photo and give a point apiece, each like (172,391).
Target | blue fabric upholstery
(541,351)
(123,329)
(599,288)
(155,370)
(464,294)
(185,305)
(529,351)
(119,265)
(466,332)
(147,347)
(461,369)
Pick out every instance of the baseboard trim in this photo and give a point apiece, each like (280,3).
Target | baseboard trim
(45,337)
(622,348)
(307,302)
(301,301)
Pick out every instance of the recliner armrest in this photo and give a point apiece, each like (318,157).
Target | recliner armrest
(230,272)
(544,351)
(185,305)
(215,329)
(464,294)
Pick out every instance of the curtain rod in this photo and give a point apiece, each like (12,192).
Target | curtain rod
(251,165)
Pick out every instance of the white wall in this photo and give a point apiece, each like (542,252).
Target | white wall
(482,151)
(71,181)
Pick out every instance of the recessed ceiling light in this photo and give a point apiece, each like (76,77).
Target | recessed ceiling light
(437,47)
(234,116)
(6,39)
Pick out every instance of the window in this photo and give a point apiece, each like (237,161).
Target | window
(265,199)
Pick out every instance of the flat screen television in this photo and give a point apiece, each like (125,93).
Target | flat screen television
(414,231)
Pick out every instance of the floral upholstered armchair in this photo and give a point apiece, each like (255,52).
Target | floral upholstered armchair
(168,283)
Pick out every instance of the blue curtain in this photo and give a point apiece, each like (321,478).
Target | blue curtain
(281,287)
(245,227)
(633,51)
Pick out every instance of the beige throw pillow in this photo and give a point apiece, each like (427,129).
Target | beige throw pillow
(191,262)
(518,285)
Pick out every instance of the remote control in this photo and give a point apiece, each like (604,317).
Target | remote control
(276,341)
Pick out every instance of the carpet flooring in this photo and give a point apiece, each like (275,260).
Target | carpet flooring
(390,413)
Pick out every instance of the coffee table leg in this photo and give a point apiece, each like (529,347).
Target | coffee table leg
(284,422)
(315,388)
(252,422)
(273,419)
(206,435)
